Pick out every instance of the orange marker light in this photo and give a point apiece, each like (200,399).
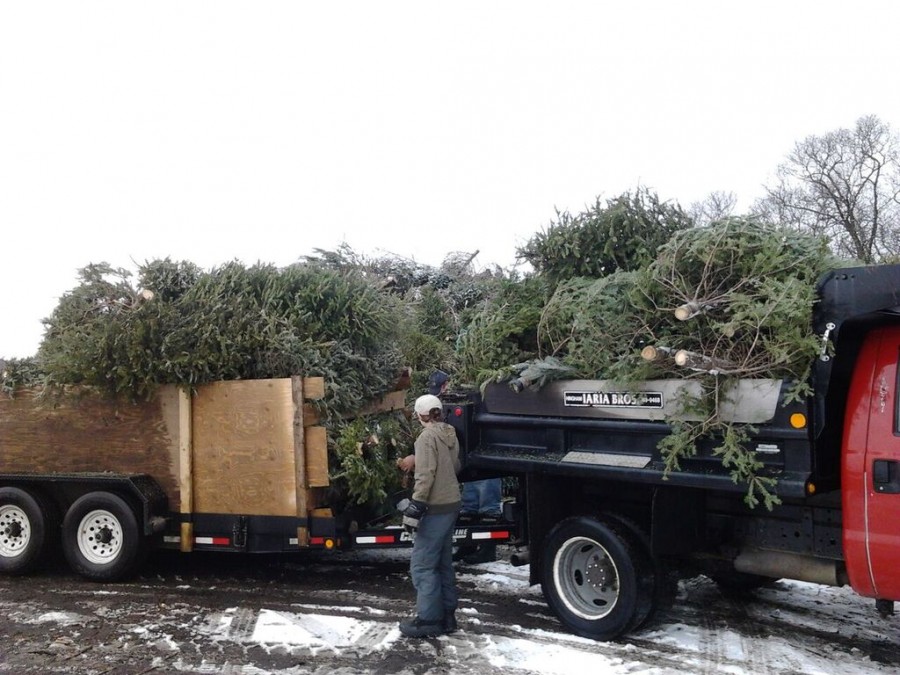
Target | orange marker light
(798,420)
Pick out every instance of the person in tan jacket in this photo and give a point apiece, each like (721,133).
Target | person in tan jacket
(432,512)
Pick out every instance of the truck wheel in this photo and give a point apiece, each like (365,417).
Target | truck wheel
(596,577)
(26,531)
(101,537)
(665,583)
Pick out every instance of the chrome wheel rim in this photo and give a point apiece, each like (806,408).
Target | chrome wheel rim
(586,577)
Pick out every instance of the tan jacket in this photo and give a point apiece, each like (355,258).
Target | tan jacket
(437,463)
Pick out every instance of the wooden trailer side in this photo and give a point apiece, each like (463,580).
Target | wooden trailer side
(82,430)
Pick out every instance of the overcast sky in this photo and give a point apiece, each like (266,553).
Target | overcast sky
(259,131)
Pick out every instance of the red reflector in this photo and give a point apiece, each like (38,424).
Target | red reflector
(317,541)
(499,535)
(213,541)
(457,412)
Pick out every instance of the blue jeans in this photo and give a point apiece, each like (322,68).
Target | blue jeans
(431,566)
(482,497)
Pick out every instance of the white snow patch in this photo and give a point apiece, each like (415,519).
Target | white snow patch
(316,631)
(62,618)
(548,659)
(341,608)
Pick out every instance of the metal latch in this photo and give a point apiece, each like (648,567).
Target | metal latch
(239,533)
(823,355)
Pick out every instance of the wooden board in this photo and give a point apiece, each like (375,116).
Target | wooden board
(316,457)
(394,400)
(84,431)
(240,447)
(313,388)
(243,448)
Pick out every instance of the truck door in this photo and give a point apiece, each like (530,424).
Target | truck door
(881,468)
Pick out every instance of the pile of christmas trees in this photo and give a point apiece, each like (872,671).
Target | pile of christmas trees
(726,301)
(627,291)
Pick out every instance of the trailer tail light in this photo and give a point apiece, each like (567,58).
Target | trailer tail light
(457,411)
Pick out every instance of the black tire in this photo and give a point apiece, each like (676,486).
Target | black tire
(26,531)
(597,577)
(101,537)
(665,582)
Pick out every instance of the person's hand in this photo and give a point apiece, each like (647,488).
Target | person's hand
(412,513)
(407,463)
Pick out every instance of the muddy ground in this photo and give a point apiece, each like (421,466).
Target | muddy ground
(197,613)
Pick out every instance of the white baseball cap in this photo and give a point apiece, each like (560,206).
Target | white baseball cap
(425,404)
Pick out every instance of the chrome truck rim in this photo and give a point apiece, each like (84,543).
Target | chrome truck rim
(15,531)
(100,537)
(586,578)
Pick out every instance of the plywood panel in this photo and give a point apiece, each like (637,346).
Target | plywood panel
(243,437)
(82,430)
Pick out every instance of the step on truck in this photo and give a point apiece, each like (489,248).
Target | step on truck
(607,531)
(236,466)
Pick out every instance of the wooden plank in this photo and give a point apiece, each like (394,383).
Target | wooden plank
(187,537)
(83,430)
(300,479)
(311,416)
(394,400)
(313,388)
(244,448)
(182,399)
(317,457)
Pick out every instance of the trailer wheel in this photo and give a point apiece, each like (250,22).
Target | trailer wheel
(26,531)
(101,537)
(596,577)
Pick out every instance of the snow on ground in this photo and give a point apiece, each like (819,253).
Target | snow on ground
(668,647)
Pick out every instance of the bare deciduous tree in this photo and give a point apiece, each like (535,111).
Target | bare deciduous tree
(843,185)
(715,206)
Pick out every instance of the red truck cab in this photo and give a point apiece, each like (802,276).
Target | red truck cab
(870,469)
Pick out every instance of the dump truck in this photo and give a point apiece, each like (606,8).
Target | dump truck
(233,466)
(608,531)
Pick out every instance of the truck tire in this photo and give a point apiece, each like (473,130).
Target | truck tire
(597,577)
(27,527)
(665,582)
(101,537)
